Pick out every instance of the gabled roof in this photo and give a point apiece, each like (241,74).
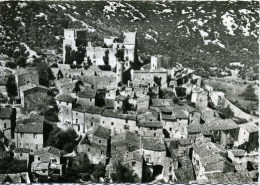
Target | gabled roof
(88,109)
(221,124)
(33,127)
(127,136)
(50,149)
(133,156)
(154,144)
(249,127)
(118,114)
(150,124)
(65,98)
(88,93)
(168,117)
(33,86)
(102,132)
(5,112)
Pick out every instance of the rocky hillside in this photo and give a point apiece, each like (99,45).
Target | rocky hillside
(202,35)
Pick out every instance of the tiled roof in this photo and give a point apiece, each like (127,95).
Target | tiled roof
(149,124)
(22,150)
(33,127)
(168,117)
(102,132)
(226,178)
(65,98)
(189,108)
(238,152)
(117,114)
(180,114)
(198,128)
(5,112)
(32,86)
(88,109)
(154,144)
(50,149)
(185,173)
(221,124)
(129,136)
(88,93)
(149,114)
(249,127)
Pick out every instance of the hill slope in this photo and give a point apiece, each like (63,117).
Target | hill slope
(197,34)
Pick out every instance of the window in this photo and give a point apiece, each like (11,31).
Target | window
(170,128)
(88,149)
(20,143)
(76,113)
(170,168)
(91,124)
(103,122)
(67,103)
(151,128)
(34,136)
(21,154)
(102,152)
(115,147)
(99,141)
(147,160)
(133,163)
(126,121)
(90,99)
(170,177)
(92,118)
(21,134)
(154,134)
(67,111)
(129,144)
(39,158)
(112,123)
(76,120)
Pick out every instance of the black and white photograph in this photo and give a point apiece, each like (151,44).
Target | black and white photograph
(158,91)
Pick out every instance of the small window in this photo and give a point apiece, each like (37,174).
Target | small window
(103,122)
(88,149)
(170,168)
(21,134)
(39,158)
(99,141)
(76,120)
(133,163)
(154,134)
(112,123)
(170,129)
(92,117)
(20,143)
(129,144)
(90,99)
(91,124)
(21,154)
(67,103)
(115,147)
(102,152)
(126,121)
(170,177)
(34,136)
(4,125)
(76,113)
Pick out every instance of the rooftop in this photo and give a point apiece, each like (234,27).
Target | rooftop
(88,93)
(65,98)
(50,149)
(249,127)
(102,132)
(154,144)
(118,114)
(32,127)
(150,124)
(5,112)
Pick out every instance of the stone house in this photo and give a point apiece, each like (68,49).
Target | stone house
(98,82)
(78,119)
(140,103)
(178,147)
(223,130)
(26,76)
(154,151)
(29,135)
(248,133)
(28,90)
(49,161)
(98,146)
(65,85)
(93,117)
(150,128)
(71,73)
(206,159)
(118,122)
(65,104)
(120,102)
(194,114)
(152,78)
(86,97)
(22,154)
(169,167)
(7,122)
(124,143)
(134,161)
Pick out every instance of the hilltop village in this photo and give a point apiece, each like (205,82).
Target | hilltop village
(117,122)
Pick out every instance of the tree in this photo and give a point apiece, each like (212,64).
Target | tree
(11,65)
(20,61)
(106,57)
(249,93)
(11,86)
(226,112)
(44,73)
(63,140)
(123,174)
